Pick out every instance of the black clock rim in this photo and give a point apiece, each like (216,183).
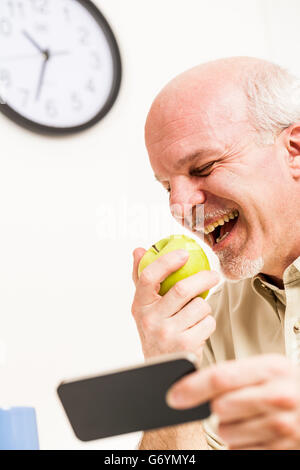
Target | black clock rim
(114,91)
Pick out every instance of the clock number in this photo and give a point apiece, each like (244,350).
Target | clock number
(76,102)
(84,36)
(5,82)
(5,78)
(40,6)
(5,27)
(96,61)
(90,86)
(11,7)
(67,14)
(51,109)
(15,7)
(25,94)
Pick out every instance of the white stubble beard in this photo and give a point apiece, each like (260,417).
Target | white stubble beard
(236,268)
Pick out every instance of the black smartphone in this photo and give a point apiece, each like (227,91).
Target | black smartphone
(128,400)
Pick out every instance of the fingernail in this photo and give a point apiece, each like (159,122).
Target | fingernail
(174,399)
(182,254)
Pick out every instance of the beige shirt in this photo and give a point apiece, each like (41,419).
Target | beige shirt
(254,317)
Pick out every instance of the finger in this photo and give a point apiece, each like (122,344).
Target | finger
(278,444)
(244,403)
(138,253)
(150,278)
(256,431)
(185,290)
(198,334)
(192,313)
(193,339)
(205,385)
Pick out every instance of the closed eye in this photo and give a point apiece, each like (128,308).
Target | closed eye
(204,171)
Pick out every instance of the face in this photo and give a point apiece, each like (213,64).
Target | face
(205,156)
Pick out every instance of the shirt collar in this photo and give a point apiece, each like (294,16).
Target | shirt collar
(296,264)
(266,289)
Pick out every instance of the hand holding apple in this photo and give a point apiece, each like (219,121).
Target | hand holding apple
(179,320)
(196,262)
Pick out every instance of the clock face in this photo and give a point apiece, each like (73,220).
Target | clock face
(60,66)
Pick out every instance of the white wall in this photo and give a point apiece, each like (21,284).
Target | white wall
(65,293)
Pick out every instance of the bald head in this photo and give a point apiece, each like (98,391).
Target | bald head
(207,98)
(215,90)
(215,74)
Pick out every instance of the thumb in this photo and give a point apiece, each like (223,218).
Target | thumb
(138,253)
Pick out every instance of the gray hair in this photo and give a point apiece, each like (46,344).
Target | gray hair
(273,100)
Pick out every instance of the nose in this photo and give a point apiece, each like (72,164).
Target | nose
(185,195)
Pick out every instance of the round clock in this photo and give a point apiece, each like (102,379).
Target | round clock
(60,66)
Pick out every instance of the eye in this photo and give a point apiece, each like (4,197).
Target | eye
(204,171)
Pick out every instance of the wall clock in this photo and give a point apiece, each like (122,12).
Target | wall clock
(60,66)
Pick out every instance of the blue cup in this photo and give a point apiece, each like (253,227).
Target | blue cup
(18,429)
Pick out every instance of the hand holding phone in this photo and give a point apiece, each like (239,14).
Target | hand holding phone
(128,400)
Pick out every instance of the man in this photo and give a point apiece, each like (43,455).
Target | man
(226,135)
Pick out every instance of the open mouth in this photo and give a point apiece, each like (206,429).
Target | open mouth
(222,228)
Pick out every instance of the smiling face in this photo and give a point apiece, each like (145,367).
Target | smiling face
(202,149)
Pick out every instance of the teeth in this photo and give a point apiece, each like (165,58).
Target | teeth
(210,228)
(218,240)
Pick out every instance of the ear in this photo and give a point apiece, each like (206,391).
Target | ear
(292,144)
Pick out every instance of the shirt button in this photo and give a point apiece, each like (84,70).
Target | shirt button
(297,327)
(266,288)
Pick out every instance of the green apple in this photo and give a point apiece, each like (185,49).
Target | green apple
(196,262)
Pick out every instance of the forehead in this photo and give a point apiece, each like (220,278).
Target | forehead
(187,116)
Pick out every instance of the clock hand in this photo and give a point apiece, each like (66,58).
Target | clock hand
(33,42)
(56,53)
(19,57)
(32,56)
(42,74)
